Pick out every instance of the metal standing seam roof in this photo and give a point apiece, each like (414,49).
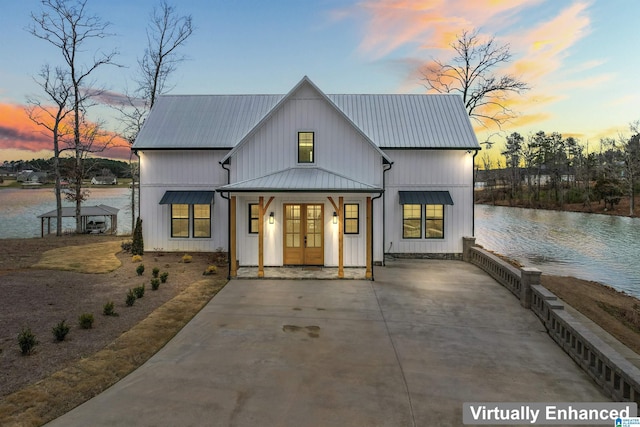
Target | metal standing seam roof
(202,121)
(301,179)
(425,198)
(100,210)
(187,198)
(433,121)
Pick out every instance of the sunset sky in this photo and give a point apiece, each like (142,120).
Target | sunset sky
(580,57)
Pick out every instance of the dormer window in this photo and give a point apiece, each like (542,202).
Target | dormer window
(305,147)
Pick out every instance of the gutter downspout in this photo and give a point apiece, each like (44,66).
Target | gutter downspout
(473,194)
(228,198)
(384,216)
(373,233)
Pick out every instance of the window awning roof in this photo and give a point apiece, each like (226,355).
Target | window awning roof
(425,198)
(187,198)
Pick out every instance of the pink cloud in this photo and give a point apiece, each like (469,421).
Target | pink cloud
(18,132)
(424,29)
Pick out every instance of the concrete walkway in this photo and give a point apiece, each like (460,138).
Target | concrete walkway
(405,350)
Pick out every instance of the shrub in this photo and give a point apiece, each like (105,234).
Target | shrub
(186,258)
(163,277)
(131,298)
(139,291)
(212,269)
(140,269)
(155,284)
(155,272)
(60,331)
(86,320)
(136,258)
(27,341)
(126,246)
(137,246)
(109,309)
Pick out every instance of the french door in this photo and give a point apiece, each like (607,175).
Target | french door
(303,234)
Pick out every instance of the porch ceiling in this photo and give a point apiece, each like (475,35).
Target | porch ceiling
(302,180)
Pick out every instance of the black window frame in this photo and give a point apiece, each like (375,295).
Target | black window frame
(191,221)
(439,219)
(348,220)
(313,147)
(194,219)
(181,219)
(404,219)
(251,218)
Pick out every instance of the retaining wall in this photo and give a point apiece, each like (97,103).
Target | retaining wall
(618,378)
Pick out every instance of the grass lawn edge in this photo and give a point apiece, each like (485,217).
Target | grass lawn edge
(63,390)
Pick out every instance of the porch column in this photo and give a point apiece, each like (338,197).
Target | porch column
(261,237)
(340,237)
(368,274)
(232,242)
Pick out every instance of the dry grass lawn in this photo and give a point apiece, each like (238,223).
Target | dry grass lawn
(96,258)
(64,274)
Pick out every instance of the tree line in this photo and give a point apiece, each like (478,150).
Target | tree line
(93,166)
(549,170)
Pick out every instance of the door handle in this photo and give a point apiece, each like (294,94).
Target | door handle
(305,241)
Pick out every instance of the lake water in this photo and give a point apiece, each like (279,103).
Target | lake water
(594,247)
(602,248)
(19,209)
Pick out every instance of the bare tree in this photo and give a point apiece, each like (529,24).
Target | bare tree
(68,26)
(58,90)
(166,33)
(471,73)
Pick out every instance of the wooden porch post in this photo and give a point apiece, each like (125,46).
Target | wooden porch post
(368,274)
(340,211)
(232,243)
(261,237)
(262,208)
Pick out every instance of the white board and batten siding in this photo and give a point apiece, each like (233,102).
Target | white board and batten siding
(338,146)
(180,170)
(430,170)
(354,245)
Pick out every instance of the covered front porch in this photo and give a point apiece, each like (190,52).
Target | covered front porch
(322,229)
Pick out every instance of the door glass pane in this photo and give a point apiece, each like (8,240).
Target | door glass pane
(314,226)
(292,226)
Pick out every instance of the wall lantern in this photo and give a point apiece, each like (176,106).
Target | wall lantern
(271,218)
(335,218)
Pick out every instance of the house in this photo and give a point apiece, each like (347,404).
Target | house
(104,180)
(31,177)
(307,178)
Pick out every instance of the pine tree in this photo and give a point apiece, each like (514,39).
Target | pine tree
(137,247)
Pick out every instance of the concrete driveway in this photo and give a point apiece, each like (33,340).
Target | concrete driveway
(405,350)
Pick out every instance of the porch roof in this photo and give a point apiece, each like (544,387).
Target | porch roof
(302,179)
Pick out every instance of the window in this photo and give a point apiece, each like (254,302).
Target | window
(305,147)
(411,221)
(179,220)
(254,215)
(351,219)
(201,220)
(199,216)
(434,222)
